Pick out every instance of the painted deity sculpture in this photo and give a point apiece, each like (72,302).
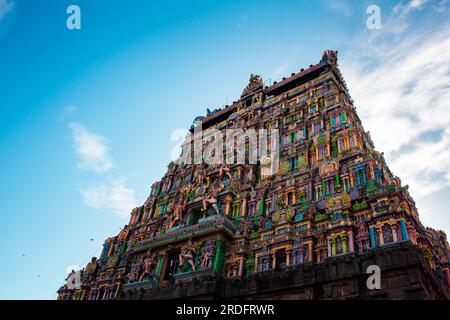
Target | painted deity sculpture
(188,253)
(211,199)
(148,266)
(206,259)
(178,211)
(225,169)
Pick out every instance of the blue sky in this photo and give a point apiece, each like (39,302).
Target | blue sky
(86,116)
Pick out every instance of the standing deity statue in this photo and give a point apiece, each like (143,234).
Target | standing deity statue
(212,199)
(205,259)
(199,177)
(208,181)
(225,169)
(178,211)
(133,274)
(148,265)
(188,253)
(159,221)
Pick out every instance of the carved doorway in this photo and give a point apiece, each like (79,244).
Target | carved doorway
(172,265)
(280,260)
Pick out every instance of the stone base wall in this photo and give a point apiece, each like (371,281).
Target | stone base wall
(404,275)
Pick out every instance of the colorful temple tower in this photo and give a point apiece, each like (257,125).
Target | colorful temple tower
(305,225)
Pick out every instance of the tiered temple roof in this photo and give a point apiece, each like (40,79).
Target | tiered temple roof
(331,196)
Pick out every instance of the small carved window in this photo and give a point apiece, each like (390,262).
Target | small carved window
(339,247)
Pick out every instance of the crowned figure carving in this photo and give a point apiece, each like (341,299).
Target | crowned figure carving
(189,254)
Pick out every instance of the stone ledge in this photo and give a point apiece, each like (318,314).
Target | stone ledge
(403,273)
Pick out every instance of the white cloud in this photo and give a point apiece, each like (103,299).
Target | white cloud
(93,154)
(417,3)
(5,7)
(91,148)
(401,88)
(411,5)
(113,195)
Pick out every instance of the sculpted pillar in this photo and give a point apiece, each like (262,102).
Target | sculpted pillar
(310,257)
(394,232)
(380,232)
(244,207)
(344,243)
(351,242)
(329,247)
(219,259)
(241,266)
(228,201)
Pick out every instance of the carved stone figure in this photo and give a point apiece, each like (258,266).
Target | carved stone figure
(205,259)
(133,274)
(199,177)
(178,212)
(212,199)
(148,266)
(188,253)
(225,169)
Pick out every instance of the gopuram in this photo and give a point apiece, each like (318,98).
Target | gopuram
(304,222)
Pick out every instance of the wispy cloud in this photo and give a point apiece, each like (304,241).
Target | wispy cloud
(341,6)
(401,86)
(278,72)
(113,195)
(68,111)
(409,5)
(5,7)
(91,148)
